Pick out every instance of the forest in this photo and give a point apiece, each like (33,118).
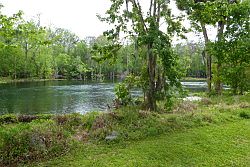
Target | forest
(146,49)
(29,50)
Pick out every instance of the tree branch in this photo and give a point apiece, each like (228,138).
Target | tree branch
(138,8)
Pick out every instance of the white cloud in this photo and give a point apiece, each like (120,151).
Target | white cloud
(79,16)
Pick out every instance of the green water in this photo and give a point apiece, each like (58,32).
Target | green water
(55,97)
(62,96)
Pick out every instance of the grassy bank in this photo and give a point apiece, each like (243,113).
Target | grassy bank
(28,139)
(10,80)
(223,145)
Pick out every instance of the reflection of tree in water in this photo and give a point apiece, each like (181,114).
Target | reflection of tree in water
(59,97)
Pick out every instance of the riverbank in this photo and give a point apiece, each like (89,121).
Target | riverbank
(219,145)
(94,138)
(9,80)
(194,79)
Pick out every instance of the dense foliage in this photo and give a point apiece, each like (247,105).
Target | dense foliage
(148,52)
(233,51)
(142,53)
(143,26)
(227,58)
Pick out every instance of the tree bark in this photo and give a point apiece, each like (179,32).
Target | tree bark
(151,99)
(209,58)
(218,84)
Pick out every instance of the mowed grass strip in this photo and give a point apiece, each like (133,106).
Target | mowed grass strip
(223,145)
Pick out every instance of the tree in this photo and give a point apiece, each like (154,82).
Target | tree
(214,13)
(31,37)
(192,59)
(128,17)
(199,14)
(233,50)
(10,54)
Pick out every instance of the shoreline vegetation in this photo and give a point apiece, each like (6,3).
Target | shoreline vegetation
(9,80)
(29,140)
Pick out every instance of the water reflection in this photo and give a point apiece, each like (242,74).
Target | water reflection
(195,86)
(55,97)
(62,96)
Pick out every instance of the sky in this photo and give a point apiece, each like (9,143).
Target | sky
(79,16)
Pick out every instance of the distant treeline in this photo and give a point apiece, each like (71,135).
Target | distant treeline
(28,50)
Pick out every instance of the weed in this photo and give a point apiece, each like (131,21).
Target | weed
(206,101)
(61,119)
(29,142)
(26,118)
(185,106)
(245,115)
(8,119)
(244,105)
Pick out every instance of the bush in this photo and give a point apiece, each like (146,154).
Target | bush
(11,118)
(185,106)
(7,119)
(122,94)
(61,119)
(26,118)
(245,115)
(206,101)
(29,142)
(70,122)
(89,119)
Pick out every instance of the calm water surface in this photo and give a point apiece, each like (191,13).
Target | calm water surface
(62,96)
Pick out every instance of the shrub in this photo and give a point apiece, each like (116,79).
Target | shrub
(206,101)
(29,142)
(45,116)
(244,105)
(245,115)
(122,94)
(7,119)
(61,119)
(26,118)
(89,119)
(70,122)
(185,106)
(75,120)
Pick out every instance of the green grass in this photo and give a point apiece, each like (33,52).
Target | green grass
(192,134)
(223,145)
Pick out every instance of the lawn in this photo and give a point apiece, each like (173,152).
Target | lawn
(216,145)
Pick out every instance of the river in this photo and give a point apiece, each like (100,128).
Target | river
(59,97)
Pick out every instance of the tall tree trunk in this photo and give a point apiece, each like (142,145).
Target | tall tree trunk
(151,99)
(209,58)
(218,84)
